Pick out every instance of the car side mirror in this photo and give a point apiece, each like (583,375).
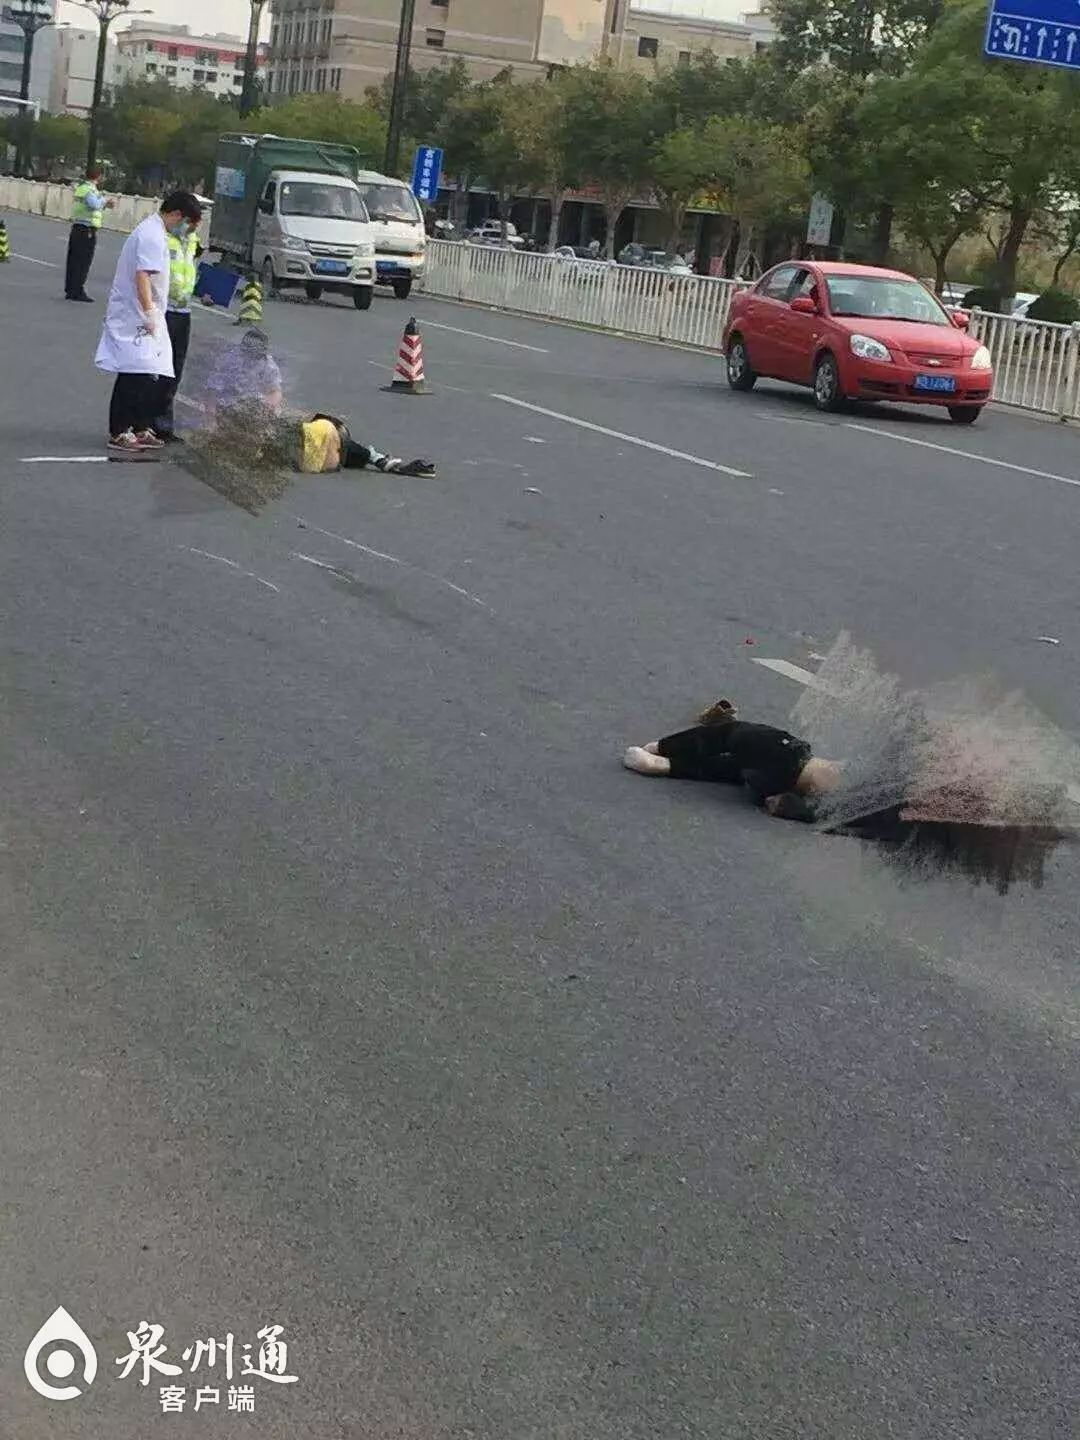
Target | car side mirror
(266,206)
(803,305)
(960,318)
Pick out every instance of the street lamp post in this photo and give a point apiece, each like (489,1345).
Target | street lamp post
(399,94)
(30,17)
(251,59)
(105,12)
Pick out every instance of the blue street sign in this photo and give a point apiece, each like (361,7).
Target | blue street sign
(1040,32)
(427,170)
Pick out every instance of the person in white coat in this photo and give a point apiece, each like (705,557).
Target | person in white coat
(135,344)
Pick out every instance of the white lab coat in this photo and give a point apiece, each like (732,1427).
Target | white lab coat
(127,346)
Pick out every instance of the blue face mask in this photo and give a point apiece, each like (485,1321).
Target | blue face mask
(182,230)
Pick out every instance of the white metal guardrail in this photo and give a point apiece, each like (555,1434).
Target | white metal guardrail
(655,304)
(1035,363)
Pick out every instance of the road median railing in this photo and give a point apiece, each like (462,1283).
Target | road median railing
(1035,363)
(650,304)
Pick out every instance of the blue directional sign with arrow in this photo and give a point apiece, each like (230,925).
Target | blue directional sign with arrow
(1038,32)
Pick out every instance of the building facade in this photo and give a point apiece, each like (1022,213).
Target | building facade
(71,82)
(214,63)
(651,39)
(12,45)
(349,45)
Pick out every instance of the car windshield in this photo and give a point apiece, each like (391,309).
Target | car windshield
(323,202)
(880,297)
(391,202)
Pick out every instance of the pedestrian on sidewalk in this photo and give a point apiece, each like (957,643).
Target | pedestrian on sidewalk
(86,217)
(183,272)
(135,344)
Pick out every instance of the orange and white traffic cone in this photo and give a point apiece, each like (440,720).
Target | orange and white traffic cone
(409,370)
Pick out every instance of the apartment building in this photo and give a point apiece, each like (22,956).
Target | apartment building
(214,63)
(71,83)
(350,45)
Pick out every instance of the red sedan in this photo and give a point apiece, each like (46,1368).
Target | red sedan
(853,332)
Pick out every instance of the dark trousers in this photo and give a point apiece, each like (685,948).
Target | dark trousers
(82,242)
(179,327)
(133,404)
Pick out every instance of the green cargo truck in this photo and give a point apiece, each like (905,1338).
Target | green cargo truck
(291,211)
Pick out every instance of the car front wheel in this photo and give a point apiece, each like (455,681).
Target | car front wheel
(964,414)
(740,375)
(827,394)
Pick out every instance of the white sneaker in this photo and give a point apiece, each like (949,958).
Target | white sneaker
(639,759)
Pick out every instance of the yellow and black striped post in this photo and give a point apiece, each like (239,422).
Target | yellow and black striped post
(251,303)
(5,243)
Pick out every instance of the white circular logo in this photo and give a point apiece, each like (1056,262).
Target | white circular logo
(59,1336)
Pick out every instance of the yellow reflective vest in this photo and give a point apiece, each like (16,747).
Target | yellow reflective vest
(81,213)
(182,271)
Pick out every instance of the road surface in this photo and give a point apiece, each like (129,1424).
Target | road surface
(351,986)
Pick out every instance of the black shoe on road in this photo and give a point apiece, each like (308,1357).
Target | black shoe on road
(86,299)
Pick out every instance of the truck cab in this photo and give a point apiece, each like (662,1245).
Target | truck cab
(313,230)
(397,226)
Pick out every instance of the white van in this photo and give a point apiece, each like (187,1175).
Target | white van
(398,227)
(312,230)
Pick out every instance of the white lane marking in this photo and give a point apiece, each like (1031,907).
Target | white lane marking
(785,667)
(808,678)
(65,460)
(208,555)
(630,439)
(476,335)
(963,454)
(535,440)
(52,265)
(390,559)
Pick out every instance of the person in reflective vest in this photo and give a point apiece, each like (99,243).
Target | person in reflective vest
(86,216)
(183,272)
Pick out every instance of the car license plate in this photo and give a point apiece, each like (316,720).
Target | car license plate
(388,267)
(331,267)
(942,384)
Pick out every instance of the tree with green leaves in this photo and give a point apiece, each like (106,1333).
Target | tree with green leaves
(327,117)
(1012,130)
(682,166)
(611,115)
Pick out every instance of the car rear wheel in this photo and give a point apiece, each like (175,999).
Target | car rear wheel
(827,394)
(313,291)
(964,414)
(740,375)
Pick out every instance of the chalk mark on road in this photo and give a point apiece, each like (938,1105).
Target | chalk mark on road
(963,454)
(208,555)
(390,559)
(629,439)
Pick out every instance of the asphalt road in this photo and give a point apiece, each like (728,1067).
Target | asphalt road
(350,985)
